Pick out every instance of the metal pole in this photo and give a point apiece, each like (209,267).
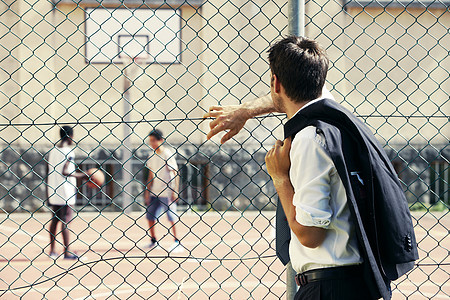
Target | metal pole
(296,26)
(296,17)
(291,286)
(127,156)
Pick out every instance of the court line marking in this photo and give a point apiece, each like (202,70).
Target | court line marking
(23,232)
(416,293)
(148,287)
(251,284)
(188,213)
(201,260)
(181,287)
(193,285)
(160,257)
(188,286)
(136,215)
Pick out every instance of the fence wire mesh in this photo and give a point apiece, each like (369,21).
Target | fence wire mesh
(116,70)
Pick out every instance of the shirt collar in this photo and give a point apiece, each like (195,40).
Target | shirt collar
(308,104)
(325,94)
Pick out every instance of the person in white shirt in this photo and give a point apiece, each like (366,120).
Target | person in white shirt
(61,189)
(161,193)
(323,239)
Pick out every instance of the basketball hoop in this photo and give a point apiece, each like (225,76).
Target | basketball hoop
(111,32)
(132,65)
(133,53)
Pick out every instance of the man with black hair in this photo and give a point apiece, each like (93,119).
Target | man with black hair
(62,188)
(161,192)
(342,217)
(308,185)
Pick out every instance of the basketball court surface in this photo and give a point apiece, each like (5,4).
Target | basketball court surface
(227,255)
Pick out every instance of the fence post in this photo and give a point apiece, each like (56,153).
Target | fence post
(296,26)
(296,17)
(291,286)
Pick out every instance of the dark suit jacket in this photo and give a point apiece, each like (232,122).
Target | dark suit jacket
(376,199)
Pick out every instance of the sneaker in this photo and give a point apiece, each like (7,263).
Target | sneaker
(74,257)
(151,245)
(176,247)
(53,255)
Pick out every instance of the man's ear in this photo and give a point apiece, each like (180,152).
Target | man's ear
(276,84)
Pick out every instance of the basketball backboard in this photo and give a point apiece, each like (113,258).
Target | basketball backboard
(152,35)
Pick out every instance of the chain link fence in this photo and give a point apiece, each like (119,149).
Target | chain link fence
(116,70)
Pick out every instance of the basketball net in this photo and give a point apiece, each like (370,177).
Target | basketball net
(132,66)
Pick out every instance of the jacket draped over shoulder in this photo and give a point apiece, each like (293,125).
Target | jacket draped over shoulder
(376,198)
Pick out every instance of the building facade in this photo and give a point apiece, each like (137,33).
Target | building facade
(65,62)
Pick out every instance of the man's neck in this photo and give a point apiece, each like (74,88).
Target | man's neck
(291,108)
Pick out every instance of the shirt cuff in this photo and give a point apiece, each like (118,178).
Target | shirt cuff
(318,219)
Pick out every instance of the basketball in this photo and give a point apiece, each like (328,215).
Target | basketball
(96,178)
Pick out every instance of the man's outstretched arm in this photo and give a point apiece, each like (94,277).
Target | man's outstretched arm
(234,117)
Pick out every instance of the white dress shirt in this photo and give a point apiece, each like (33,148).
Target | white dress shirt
(320,201)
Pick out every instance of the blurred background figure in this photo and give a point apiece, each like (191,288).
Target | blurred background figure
(62,188)
(162,188)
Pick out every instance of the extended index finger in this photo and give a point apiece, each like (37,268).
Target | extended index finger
(217,108)
(212,114)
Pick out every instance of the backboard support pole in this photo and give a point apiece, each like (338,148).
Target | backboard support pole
(127,147)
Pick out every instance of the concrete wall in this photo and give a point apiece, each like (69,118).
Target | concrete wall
(383,63)
(47,78)
(388,61)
